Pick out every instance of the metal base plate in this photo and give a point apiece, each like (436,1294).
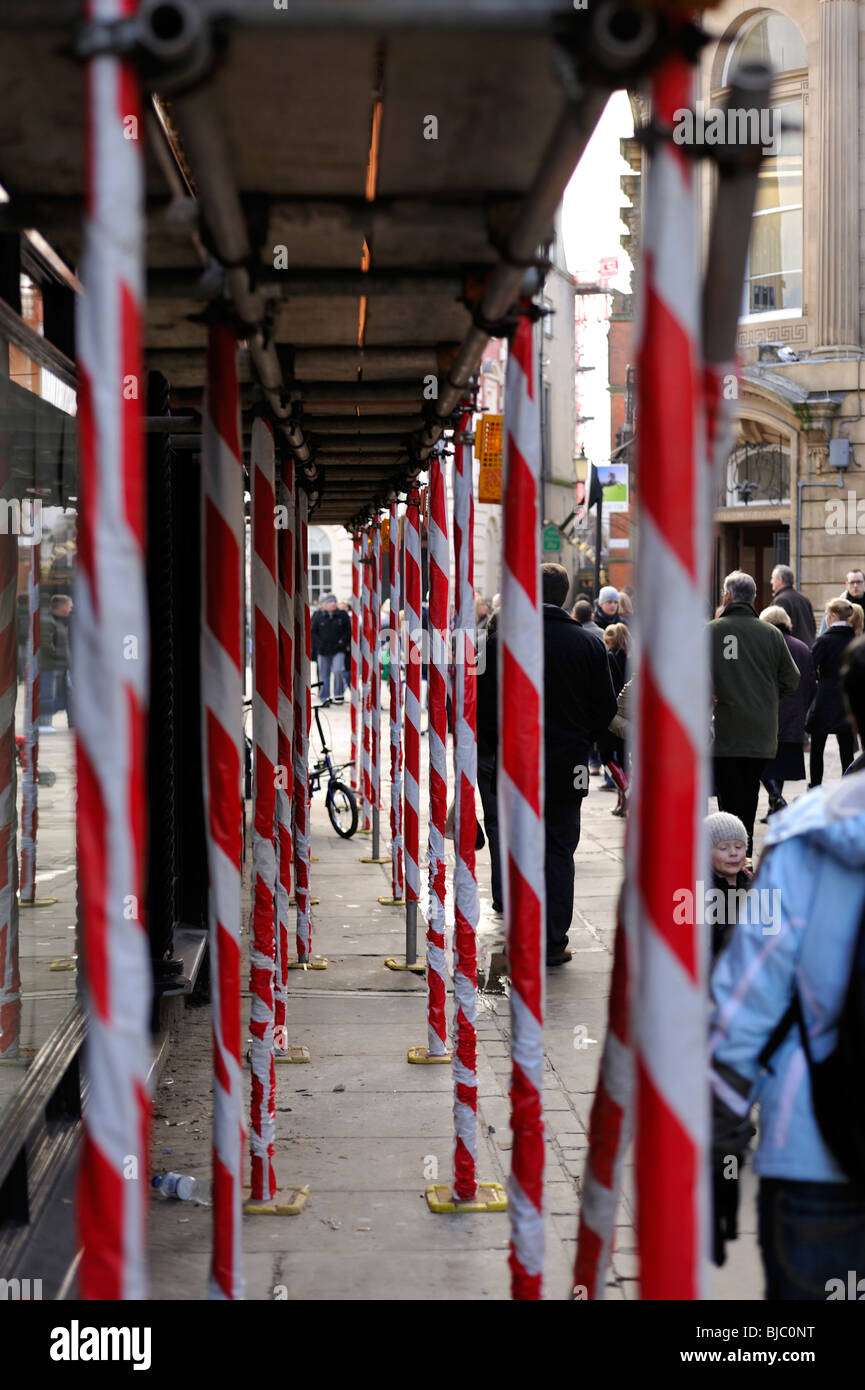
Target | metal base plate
(288,1201)
(398,963)
(296,1053)
(491,1196)
(66,963)
(36,902)
(313,902)
(367,860)
(422,1055)
(314,963)
(392,902)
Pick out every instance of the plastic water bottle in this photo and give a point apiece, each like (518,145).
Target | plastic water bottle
(175,1185)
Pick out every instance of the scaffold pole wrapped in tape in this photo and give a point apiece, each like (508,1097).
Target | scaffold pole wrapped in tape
(439,586)
(465,757)
(665,850)
(265,713)
(110,662)
(222,556)
(521,801)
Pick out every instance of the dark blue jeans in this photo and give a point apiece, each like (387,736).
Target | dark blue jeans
(326,665)
(810,1233)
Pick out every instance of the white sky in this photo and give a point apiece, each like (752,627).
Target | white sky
(591,227)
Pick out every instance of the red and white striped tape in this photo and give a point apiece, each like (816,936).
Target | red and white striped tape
(284,794)
(30,760)
(110,660)
(411,801)
(366,677)
(395,687)
(466,905)
(375,670)
(302,716)
(265,710)
(521,804)
(439,585)
(665,840)
(354,681)
(610,1126)
(222,706)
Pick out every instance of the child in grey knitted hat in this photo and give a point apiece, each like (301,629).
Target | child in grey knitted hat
(728,840)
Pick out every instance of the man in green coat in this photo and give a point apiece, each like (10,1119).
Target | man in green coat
(752,670)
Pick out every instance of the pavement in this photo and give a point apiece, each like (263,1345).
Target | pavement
(47,931)
(367,1132)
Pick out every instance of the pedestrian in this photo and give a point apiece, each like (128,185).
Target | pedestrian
(331,645)
(788,764)
(607,610)
(827,714)
(854,592)
(578,705)
(582,614)
(487,729)
(55,686)
(611,748)
(751,671)
(731,882)
(786,990)
(483,612)
(795,605)
(728,844)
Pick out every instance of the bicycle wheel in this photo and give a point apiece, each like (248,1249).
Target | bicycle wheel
(342,809)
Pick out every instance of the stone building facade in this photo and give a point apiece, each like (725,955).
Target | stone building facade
(801,329)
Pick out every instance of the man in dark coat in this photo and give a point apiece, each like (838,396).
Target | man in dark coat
(330,631)
(578,705)
(54,661)
(854,593)
(751,671)
(795,605)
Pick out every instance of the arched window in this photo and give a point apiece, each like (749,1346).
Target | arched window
(319,556)
(773,277)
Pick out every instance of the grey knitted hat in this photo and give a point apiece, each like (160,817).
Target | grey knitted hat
(722,826)
(608,594)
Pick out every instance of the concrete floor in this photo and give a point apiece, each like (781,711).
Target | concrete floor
(367,1131)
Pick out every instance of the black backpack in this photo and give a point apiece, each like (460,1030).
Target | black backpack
(838,1081)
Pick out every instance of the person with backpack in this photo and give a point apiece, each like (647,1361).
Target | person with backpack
(788,1034)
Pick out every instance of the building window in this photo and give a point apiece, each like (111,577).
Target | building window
(319,553)
(758,469)
(773,274)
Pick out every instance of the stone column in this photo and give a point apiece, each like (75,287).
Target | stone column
(838,243)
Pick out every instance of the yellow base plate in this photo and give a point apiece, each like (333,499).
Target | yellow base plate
(363,832)
(491,1196)
(36,902)
(289,1201)
(313,902)
(67,964)
(292,1054)
(364,859)
(314,963)
(296,1053)
(398,963)
(421,1054)
(392,902)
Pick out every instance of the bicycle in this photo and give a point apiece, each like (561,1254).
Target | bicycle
(340,800)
